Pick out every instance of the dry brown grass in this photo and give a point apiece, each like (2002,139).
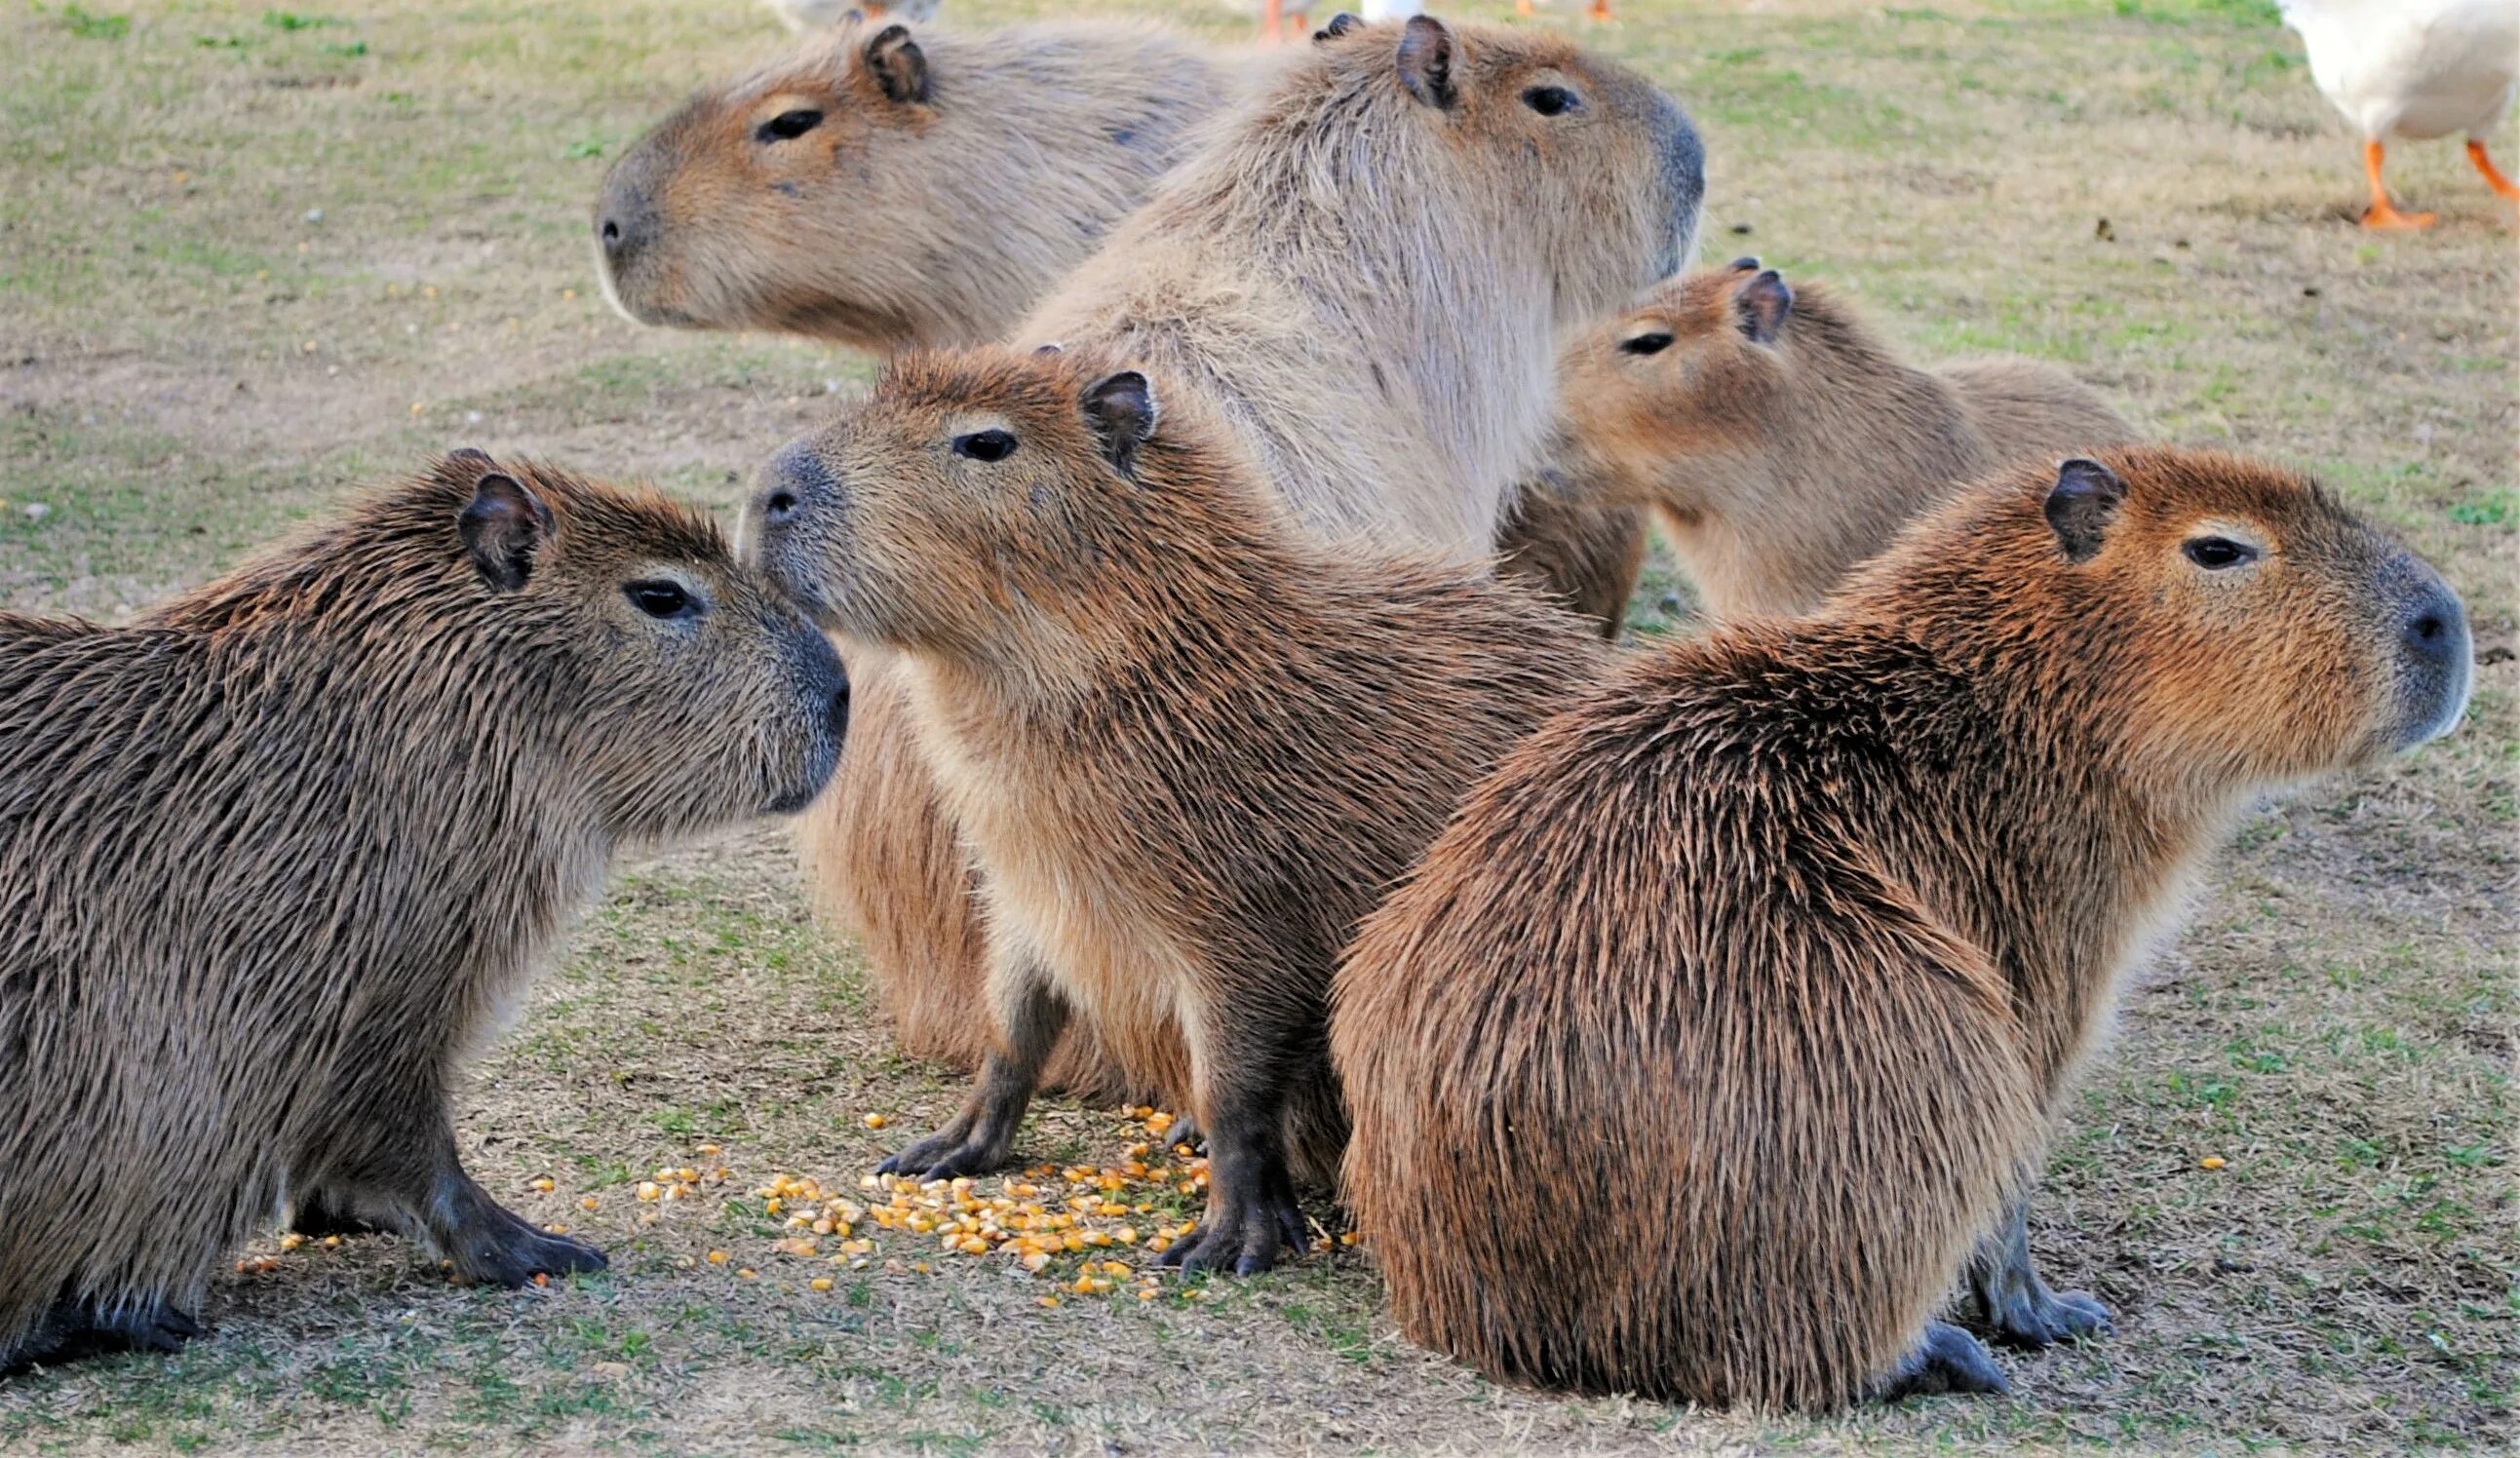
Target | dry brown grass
(2336,1025)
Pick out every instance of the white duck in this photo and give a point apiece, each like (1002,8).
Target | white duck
(2418,69)
(801,15)
(1289,20)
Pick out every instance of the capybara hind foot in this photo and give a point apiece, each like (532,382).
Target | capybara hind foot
(74,1330)
(493,1246)
(1946,1359)
(2012,1302)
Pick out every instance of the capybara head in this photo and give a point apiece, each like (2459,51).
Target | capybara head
(1596,167)
(2243,628)
(680,689)
(1699,367)
(981,498)
(887,189)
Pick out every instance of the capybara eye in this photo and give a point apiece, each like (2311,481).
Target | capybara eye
(985,445)
(1550,101)
(659,599)
(789,125)
(1653,343)
(2213,553)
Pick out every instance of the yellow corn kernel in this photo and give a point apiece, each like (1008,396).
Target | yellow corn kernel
(875,1120)
(717,1257)
(2211,1162)
(820,1283)
(648,1189)
(543,1184)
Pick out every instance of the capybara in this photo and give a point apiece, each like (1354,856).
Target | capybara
(886,188)
(277,853)
(1189,743)
(1781,442)
(1387,352)
(1571,539)
(1718,1025)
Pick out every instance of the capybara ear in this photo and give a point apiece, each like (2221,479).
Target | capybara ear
(1341,24)
(1121,409)
(503,527)
(1749,264)
(1762,305)
(898,66)
(1426,55)
(1053,347)
(2082,505)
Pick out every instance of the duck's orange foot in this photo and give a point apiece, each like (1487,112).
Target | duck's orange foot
(2385,218)
(2493,177)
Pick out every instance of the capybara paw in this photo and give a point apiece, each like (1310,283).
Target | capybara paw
(1244,1242)
(944,1156)
(74,1330)
(515,1259)
(2035,1317)
(1946,1359)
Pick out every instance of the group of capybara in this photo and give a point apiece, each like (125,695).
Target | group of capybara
(1234,718)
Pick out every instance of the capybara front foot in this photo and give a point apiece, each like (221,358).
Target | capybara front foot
(948,1154)
(2028,1315)
(1241,1235)
(1946,1359)
(74,1330)
(492,1246)
(2015,1304)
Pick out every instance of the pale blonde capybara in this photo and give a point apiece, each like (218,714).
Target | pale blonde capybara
(1387,352)
(276,854)
(1781,441)
(889,185)
(1763,959)
(1188,743)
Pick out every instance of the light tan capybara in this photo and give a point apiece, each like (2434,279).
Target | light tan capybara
(1189,743)
(889,186)
(1387,352)
(1765,960)
(272,857)
(1781,442)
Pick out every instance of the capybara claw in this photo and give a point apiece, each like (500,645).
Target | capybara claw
(516,1260)
(1946,1359)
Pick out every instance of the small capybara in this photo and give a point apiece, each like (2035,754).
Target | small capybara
(1387,351)
(277,853)
(1189,743)
(1568,536)
(886,187)
(1781,442)
(1716,1028)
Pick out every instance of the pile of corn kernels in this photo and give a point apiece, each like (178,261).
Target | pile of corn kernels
(1081,1225)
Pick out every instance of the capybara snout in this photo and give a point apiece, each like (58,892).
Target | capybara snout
(2436,661)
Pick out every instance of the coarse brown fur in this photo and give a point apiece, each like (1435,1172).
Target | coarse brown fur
(1387,352)
(1567,539)
(1188,744)
(946,181)
(1781,442)
(277,853)
(1763,962)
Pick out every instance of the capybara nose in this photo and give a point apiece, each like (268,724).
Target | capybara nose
(619,242)
(2435,660)
(839,710)
(792,482)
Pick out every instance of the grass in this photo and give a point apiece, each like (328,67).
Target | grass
(250,256)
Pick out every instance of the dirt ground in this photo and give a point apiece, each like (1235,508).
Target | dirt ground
(249,258)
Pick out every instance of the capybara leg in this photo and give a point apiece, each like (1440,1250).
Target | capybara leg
(74,1329)
(1251,1208)
(982,1137)
(2014,1303)
(1945,1359)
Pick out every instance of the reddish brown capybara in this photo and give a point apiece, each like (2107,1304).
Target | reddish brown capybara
(1768,956)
